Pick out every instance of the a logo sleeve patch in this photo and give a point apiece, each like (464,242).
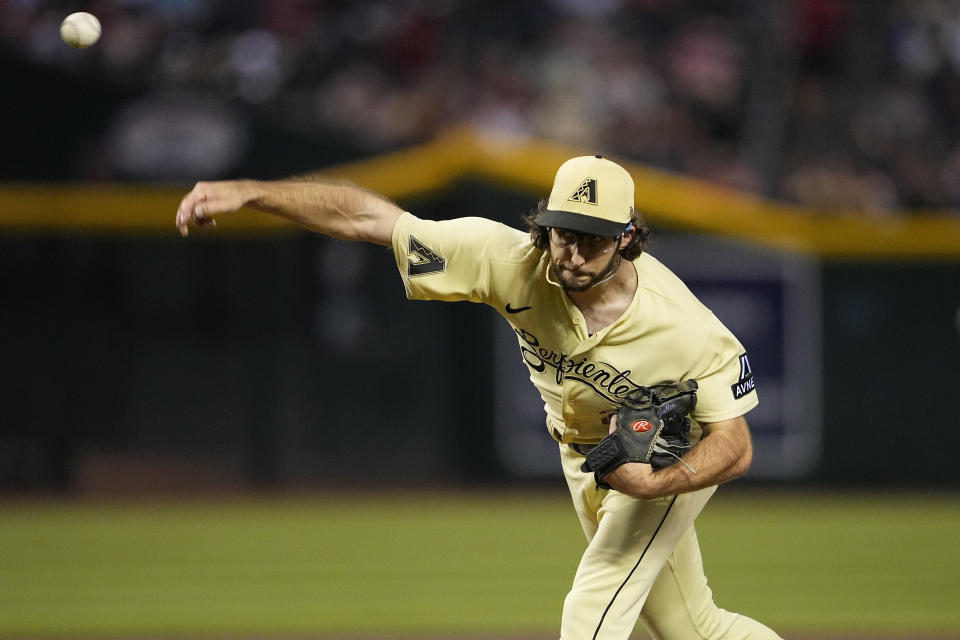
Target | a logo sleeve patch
(746,383)
(422,260)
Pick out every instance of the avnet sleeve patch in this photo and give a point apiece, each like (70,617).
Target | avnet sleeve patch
(746,383)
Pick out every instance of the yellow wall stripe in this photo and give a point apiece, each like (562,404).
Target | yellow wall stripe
(669,200)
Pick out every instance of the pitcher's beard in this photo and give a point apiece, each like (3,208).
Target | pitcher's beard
(567,281)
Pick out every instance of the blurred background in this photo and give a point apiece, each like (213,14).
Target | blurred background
(820,102)
(799,161)
(815,143)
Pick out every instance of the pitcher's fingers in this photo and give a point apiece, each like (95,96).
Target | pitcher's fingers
(185,211)
(196,196)
(182,224)
(201,213)
(205,207)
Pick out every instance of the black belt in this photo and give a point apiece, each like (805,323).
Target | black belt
(582,449)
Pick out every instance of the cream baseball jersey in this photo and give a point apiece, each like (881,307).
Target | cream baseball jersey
(665,335)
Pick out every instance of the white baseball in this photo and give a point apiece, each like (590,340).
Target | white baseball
(80,30)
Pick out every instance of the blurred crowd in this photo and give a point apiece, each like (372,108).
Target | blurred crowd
(828,103)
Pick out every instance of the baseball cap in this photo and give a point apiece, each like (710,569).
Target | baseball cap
(592,195)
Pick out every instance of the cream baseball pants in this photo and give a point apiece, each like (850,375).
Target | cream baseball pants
(642,563)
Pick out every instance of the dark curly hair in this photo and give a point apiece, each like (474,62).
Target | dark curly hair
(540,236)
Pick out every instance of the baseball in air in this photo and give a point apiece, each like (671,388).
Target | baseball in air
(80,30)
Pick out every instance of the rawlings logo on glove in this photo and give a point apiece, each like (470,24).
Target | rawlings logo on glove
(652,427)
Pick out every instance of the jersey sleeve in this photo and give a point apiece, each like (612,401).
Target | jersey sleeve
(725,379)
(450,260)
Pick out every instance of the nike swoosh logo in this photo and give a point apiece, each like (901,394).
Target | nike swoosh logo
(517,310)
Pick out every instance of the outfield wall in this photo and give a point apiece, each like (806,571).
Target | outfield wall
(257,354)
(239,359)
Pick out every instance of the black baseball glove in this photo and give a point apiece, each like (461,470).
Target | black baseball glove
(652,427)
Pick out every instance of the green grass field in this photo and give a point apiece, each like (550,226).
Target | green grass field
(452,564)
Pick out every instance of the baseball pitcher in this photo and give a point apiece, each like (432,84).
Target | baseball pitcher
(644,389)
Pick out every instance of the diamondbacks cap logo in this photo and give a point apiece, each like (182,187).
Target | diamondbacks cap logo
(641,426)
(423,260)
(586,192)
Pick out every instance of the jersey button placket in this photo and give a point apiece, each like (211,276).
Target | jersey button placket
(579,326)
(568,405)
(571,390)
(576,317)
